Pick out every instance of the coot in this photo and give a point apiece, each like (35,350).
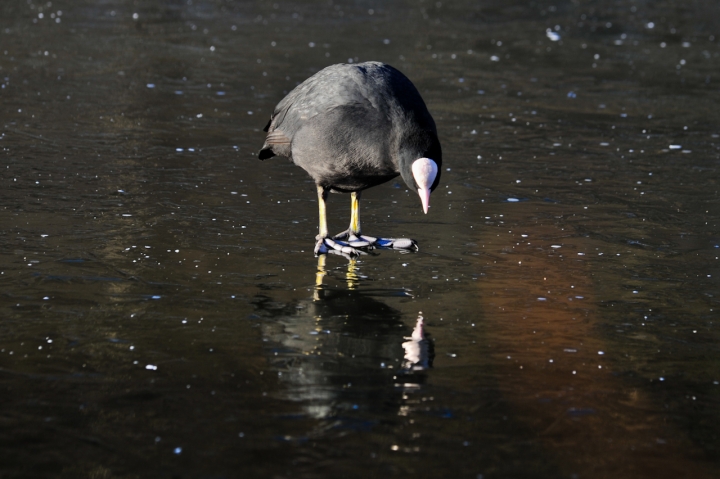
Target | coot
(352,127)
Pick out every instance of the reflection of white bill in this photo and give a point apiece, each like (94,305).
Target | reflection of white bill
(417,348)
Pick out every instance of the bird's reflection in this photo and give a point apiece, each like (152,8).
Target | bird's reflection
(343,349)
(419,350)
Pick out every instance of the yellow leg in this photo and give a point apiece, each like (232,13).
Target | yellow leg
(355,213)
(322,196)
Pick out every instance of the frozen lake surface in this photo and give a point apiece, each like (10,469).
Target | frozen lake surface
(161,310)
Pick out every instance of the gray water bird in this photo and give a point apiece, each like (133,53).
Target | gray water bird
(352,127)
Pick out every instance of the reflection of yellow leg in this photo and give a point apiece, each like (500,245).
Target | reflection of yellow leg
(351,276)
(355,213)
(319,275)
(322,196)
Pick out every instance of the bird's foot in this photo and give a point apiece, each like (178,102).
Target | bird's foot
(351,244)
(327,245)
(364,241)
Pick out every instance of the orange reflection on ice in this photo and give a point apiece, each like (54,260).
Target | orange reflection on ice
(556,367)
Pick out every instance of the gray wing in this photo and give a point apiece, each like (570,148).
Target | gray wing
(335,86)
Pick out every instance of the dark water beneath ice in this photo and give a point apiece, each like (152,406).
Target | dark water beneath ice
(161,311)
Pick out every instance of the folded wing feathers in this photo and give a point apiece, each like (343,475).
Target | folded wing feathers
(276,143)
(277,137)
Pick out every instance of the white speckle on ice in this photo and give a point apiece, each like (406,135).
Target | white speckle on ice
(542,299)
(553,36)
(151,367)
(150,85)
(513,200)
(675,147)
(556,246)
(495,58)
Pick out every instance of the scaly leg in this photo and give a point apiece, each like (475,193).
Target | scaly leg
(355,213)
(350,241)
(323,243)
(352,234)
(353,238)
(320,246)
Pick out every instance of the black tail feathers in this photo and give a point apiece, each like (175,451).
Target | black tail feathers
(266,153)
